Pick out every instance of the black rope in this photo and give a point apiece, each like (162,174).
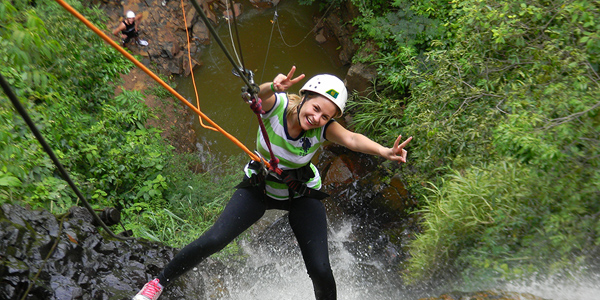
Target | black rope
(237,36)
(269,45)
(252,88)
(19,107)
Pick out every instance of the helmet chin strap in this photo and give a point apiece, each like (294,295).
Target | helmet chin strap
(298,110)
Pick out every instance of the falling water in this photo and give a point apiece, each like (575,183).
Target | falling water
(281,274)
(573,287)
(274,270)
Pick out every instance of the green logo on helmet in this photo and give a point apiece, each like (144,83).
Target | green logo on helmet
(333,93)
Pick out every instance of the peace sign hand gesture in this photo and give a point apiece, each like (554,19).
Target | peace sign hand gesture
(397,153)
(283,82)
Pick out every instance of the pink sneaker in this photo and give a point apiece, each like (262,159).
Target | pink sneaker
(150,291)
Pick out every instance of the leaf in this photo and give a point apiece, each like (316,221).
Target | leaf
(7,180)
(73,240)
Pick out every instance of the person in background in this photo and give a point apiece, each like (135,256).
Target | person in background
(297,126)
(128,29)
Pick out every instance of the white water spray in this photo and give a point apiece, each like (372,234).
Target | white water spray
(277,272)
(282,275)
(577,287)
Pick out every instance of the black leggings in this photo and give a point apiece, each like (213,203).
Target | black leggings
(130,35)
(247,205)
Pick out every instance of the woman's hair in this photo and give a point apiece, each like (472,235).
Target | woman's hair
(296,101)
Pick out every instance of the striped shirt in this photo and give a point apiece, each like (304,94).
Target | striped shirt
(292,153)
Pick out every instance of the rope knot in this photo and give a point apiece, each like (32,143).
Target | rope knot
(256,106)
(273,163)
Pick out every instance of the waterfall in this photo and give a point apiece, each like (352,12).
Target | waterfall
(281,274)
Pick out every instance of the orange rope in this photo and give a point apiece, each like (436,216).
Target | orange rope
(157,79)
(187,35)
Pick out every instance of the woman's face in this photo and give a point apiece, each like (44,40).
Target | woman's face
(316,112)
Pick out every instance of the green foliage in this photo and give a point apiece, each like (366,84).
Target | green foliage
(193,202)
(384,115)
(102,142)
(400,31)
(519,84)
(65,77)
(132,113)
(399,26)
(458,214)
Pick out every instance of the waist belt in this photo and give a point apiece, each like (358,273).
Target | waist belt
(295,179)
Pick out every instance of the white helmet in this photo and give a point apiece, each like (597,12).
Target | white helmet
(130,14)
(330,87)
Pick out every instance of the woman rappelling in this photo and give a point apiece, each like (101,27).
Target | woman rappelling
(296,125)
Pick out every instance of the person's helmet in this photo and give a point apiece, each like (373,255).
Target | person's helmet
(130,14)
(330,87)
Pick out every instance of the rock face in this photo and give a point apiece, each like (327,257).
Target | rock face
(358,191)
(167,28)
(68,258)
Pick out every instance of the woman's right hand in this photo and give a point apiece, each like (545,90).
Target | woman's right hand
(283,82)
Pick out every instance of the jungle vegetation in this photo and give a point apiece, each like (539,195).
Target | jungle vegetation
(67,85)
(501,96)
(503,100)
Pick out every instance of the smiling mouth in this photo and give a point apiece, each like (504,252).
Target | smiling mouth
(309,121)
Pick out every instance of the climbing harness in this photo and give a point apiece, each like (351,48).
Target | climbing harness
(295,179)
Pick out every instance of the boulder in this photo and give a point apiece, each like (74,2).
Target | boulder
(360,78)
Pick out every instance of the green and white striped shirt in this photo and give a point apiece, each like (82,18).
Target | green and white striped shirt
(292,153)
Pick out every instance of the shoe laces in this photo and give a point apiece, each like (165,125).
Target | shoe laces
(152,289)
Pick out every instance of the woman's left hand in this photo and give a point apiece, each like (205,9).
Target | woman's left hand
(397,153)
(283,82)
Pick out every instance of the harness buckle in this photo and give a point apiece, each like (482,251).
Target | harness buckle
(274,174)
(262,168)
(302,189)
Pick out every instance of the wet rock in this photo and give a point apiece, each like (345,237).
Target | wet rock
(360,78)
(354,181)
(394,200)
(320,36)
(339,24)
(277,239)
(200,33)
(187,69)
(190,15)
(237,8)
(76,261)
